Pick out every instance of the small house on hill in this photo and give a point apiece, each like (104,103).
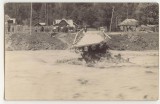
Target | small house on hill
(149,28)
(9,20)
(65,25)
(154,28)
(6,18)
(128,25)
(65,22)
(40,26)
(12,21)
(9,24)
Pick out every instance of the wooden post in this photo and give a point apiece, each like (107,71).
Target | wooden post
(111,20)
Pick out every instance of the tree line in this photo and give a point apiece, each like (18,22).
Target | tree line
(92,14)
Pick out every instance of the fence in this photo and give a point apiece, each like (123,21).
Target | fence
(26,29)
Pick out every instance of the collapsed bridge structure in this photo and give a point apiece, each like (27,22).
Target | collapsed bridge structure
(91,44)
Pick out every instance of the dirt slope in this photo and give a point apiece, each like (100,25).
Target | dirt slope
(135,41)
(44,41)
(36,41)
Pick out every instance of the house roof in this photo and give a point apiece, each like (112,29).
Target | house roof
(9,19)
(91,38)
(6,18)
(40,24)
(69,22)
(43,24)
(13,19)
(129,22)
(75,24)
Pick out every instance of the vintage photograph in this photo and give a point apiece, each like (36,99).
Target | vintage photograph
(81,51)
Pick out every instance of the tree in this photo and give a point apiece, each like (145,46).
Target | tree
(147,13)
(93,14)
(151,13)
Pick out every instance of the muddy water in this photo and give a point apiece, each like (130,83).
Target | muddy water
(33,75)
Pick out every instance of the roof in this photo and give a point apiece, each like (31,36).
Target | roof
(6,18)
(40,24)
(13,19)
(91,38)
(9,19)
(129,22)
(69,22)
(75,24)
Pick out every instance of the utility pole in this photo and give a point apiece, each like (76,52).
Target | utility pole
(45,14)
(127,10)
(17,8)
(31,20)
(116,22)
(111,20)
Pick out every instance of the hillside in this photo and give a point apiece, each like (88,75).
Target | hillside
(44,41)
(135,41)
(36,41)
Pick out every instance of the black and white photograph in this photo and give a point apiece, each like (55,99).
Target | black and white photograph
(81,51)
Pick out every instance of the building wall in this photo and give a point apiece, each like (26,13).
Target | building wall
(63,24)
(128,28)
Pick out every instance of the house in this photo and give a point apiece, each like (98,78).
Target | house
(40,27)
(12,21)
(65,25)
(65,22)
(128,25)
(56,22)
(154,28)
(9,20)
(149,28)
(6,18)
(9,24)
